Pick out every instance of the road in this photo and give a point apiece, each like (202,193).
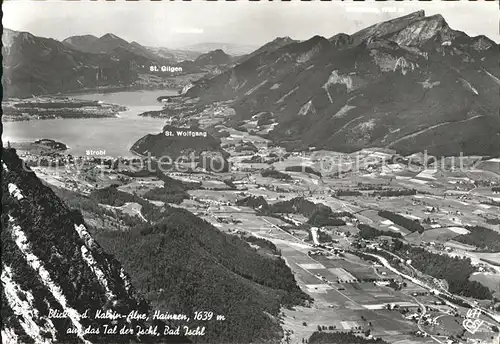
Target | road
(419,323)
(334,289)
(412,279)
(443,290)
(432,289)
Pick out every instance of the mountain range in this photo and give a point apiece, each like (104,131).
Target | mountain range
(35,65)
(410,84)
(230,48)
(113,45)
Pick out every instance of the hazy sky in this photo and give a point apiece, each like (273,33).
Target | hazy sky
(177,24)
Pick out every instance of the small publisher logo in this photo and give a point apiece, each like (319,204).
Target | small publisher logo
(472,322)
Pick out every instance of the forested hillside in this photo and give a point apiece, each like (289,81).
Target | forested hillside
(483,238)
(341,338)
(183,264)
(456,271)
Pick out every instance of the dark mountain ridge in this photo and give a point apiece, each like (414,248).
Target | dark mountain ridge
(175,141)
(36,65)
(271,46)
(215,57)
(82,43)
(112,44)
(410,84)
(229,48)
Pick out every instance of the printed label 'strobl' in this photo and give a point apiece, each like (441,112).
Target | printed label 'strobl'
(95,152)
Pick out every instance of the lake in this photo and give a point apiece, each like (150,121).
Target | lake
(113,135)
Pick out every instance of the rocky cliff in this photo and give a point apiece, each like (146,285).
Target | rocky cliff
(56,279)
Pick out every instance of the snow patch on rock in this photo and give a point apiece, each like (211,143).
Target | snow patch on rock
(186,88)
(286,95)
(428,84)
(492,76)
(469,86)
(285,58)
(241,85)
(403,65)
(25,310)
(36,264)
(85,236)
(126,280)
(307,108)
(252,90)
(309,54)
(336,78)
(15,192)
(482,43)
(366,126)
(385,62)
(9,336)
(101,277)
(343,111)
(389,63)
(416,51)
(421,31)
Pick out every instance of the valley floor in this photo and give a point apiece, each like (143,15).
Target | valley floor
(350,294)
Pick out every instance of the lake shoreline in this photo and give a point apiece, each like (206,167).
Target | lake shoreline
(176,84)
(115,135)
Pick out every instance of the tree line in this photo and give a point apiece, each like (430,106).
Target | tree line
(455,270)
(368,232)
(403,221)
(483,238)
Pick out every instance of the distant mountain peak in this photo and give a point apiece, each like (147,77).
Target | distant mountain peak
(317,38)
(420,14)
(81,37)
(482,42)
(111,36)
(284,39)
(412,29)
(77,41)
(340,39)
(84,36)
(387,64)
(214,57)
(420,31)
